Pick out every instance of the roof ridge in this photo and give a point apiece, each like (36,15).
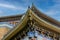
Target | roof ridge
(43,16)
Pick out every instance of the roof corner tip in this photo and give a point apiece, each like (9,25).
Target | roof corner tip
(28,7)
(33,5)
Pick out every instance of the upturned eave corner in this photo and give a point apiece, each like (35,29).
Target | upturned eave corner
(17,28)
(30,15)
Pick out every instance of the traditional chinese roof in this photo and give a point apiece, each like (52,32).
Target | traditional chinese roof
(10,18)
(45,17)
(41,18)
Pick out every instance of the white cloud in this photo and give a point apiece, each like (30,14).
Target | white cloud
(12,6)
(7,6)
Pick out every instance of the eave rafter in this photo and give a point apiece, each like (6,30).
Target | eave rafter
(44,23)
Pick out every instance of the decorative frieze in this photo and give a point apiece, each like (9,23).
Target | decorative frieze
(32,32)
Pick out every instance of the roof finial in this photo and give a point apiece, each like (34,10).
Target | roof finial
(28,7)
(32,4)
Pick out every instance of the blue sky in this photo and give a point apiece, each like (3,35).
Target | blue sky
(15,7)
